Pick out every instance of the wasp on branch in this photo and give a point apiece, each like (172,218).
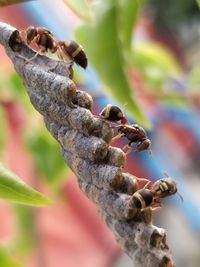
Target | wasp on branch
(151,195)
(134,133)
(113,114)
(68,51)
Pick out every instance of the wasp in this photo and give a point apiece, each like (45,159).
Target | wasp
(152,195)
(73,51)
(136,135)
(143,198)
(43,38)
(68,51)
(113,114)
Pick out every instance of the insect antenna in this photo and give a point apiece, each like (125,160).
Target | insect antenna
(181,197)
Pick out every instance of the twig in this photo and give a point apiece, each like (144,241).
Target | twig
(85,141)
(12,2)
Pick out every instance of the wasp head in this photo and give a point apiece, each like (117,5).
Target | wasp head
(31,33)
(113,113)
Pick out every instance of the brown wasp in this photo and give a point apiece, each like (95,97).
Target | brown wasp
(134,133)
(73,51)
(67,51)
(43,38)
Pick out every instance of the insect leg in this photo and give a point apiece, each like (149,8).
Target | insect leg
(128,147)
(148,184)
(117,136)
(32,58)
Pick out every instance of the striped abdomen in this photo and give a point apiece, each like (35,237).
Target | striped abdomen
(142,198)
(75,52)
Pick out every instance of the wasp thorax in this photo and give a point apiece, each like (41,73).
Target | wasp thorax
(31,33)
(42,37)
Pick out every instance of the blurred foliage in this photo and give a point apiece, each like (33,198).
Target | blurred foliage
(158,68)
(25,239)
(14,189)
(194,79)
(156,63)
(3,133)
(82,8)
(107,43)
(169,15)
(12,88)
(103,36)
(6,259)
(126,18)
(47,157)
(44,149)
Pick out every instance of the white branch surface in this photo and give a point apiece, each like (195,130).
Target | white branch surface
(85,143)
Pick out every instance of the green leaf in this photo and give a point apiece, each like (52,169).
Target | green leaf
(194,79)
(173,99)
(156,63)
(152,54)
(26,227)
(198,3)
(104,49)
(81,7)
(6,260)
(47,157)
(3,134)
(12,2)
(128,11)
(12,89)
(14,189)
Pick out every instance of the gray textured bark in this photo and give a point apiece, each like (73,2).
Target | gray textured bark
(85,143)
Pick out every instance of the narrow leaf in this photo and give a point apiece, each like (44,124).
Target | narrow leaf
(25,239)
(14,189)
(47,156)
(102,44)
(155,63)
(152,54)
(127,13)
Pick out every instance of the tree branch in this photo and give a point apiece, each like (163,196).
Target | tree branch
(12,2)
(85,142)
